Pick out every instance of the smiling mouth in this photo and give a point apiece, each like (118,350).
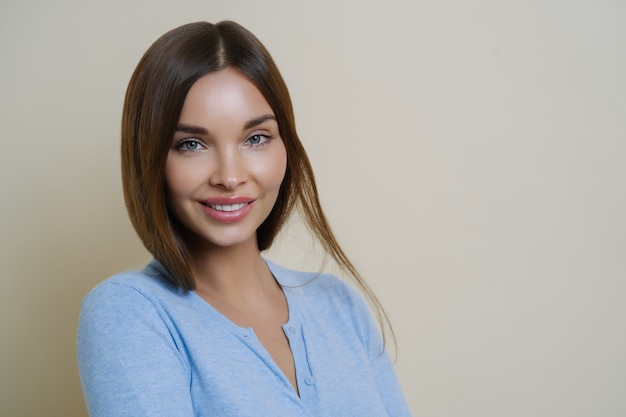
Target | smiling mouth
(227,207)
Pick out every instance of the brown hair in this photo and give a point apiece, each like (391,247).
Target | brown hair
(152,107)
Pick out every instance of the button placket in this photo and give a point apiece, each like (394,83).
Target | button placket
(292,331)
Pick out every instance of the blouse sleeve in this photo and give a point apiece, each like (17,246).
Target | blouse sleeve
(128,361)
(382,367)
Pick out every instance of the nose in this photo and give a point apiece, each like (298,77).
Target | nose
(228,170)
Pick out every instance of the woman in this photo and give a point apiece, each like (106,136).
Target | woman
(212,167)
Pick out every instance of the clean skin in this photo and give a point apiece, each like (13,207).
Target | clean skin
(223,175)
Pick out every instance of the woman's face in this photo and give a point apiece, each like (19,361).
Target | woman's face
(227,161)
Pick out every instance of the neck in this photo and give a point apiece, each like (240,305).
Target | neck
(234,273)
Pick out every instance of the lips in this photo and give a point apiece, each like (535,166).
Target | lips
(227,209)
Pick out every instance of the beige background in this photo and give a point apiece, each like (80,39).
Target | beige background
(469,154)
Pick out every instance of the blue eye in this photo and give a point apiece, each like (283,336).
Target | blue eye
(189,145)
(258,139)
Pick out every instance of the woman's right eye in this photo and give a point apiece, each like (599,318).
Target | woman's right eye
(189,145)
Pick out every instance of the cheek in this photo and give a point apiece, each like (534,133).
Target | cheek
(180,177)
(268,168)
(275,168)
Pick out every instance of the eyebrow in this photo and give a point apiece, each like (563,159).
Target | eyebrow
(258,120)
(196,130)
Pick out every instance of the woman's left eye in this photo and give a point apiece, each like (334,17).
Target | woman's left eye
(258,139)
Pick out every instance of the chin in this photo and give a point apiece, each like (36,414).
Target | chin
(224,240)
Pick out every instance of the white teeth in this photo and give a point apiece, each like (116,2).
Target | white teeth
(227,207)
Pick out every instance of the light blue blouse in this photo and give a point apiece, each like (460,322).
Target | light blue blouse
(148,348)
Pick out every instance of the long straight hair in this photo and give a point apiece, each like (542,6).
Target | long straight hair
(152,107)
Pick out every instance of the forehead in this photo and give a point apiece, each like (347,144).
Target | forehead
(223,97)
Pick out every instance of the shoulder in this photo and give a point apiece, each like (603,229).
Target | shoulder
(311,282)
(325,290)
(129,309)
(132,291)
